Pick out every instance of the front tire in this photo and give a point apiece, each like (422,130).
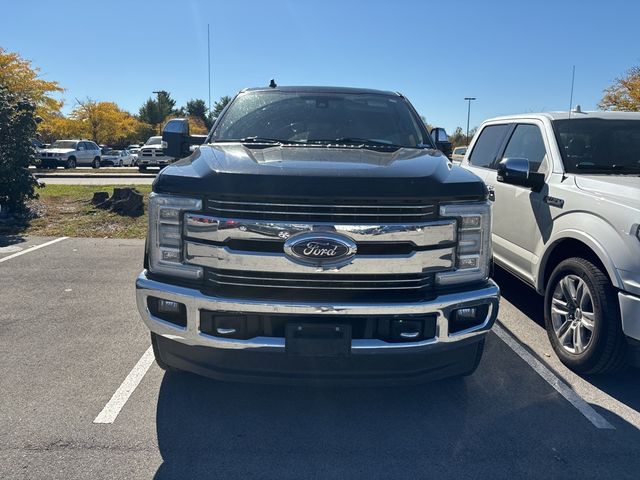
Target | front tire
(582,318)
(71,163)
(157,353)
(96,162)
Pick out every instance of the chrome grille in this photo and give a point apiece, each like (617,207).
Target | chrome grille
(368,282)
(329,210)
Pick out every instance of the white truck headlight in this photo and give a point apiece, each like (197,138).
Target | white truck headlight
(165,235)
(473,253)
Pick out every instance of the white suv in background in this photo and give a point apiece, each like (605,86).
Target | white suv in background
(70,153)
(566,220)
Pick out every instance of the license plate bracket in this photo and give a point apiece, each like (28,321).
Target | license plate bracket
(318,339)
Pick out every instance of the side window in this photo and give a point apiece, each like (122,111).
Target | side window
(81,146)
(526,142)
(485,151)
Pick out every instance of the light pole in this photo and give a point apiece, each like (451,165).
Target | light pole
(158,92)
(468,99)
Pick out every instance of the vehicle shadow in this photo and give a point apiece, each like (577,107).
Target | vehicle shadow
(623,386)
(520,295)
(216,429)
(10,239)
(477,427)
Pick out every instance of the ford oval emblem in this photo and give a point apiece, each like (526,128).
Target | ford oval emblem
(320,249)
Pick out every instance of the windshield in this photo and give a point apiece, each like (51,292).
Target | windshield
(154,141)
(597,145)
(64,144)
(113,152)
(322,118)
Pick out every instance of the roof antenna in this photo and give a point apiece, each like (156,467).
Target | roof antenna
(272,83)
(573,77)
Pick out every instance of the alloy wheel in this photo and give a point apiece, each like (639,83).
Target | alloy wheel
(572,314)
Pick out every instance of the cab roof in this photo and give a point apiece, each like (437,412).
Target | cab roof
(312,89)
(575,115)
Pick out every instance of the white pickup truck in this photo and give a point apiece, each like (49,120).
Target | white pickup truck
(566,221)
(152,154)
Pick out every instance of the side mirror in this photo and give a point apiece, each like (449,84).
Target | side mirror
(441,139)
(175,138)
(516,171)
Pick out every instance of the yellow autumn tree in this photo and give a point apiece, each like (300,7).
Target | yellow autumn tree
(197,126)
(20,78)
(106,123)
(624,94)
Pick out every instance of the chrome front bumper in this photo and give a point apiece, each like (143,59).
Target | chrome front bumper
(194,300)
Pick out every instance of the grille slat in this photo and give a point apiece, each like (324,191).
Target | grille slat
(298,210)
(217,277)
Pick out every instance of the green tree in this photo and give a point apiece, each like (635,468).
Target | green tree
(219,106)
(155,111)
(17,127)
(624,94)
(197,109)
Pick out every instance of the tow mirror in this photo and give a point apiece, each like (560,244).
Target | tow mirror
(441,139)
(516,171)
(176,139)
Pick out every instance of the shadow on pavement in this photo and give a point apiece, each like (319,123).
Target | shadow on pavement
(520,295)
(8,240)
(623,386)
(502,422)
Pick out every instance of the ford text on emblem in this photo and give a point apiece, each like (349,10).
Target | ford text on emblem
(320,248)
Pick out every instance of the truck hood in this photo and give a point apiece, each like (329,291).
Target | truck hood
(621,189)
(319,172)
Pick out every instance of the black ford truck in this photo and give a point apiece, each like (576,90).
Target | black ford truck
(317,235)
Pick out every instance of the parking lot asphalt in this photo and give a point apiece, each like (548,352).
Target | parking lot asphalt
(70,334)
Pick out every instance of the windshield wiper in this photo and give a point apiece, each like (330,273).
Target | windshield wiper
(256,139)
(360,142)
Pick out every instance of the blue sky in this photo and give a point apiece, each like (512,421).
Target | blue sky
(514,56)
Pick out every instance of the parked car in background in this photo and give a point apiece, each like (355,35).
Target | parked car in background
(118,158)
(152,155)
(37,144)
(70,153)
(566,220)
(134,151)
(458,154)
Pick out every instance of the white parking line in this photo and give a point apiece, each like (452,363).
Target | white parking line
(36,247)
(124,391)
(562,388)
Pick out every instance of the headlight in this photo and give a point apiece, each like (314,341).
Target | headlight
(165,235)
(473,253)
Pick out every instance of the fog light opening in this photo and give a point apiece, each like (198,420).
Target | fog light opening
(467,317)
(168,310)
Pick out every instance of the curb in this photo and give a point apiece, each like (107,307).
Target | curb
(95,175)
